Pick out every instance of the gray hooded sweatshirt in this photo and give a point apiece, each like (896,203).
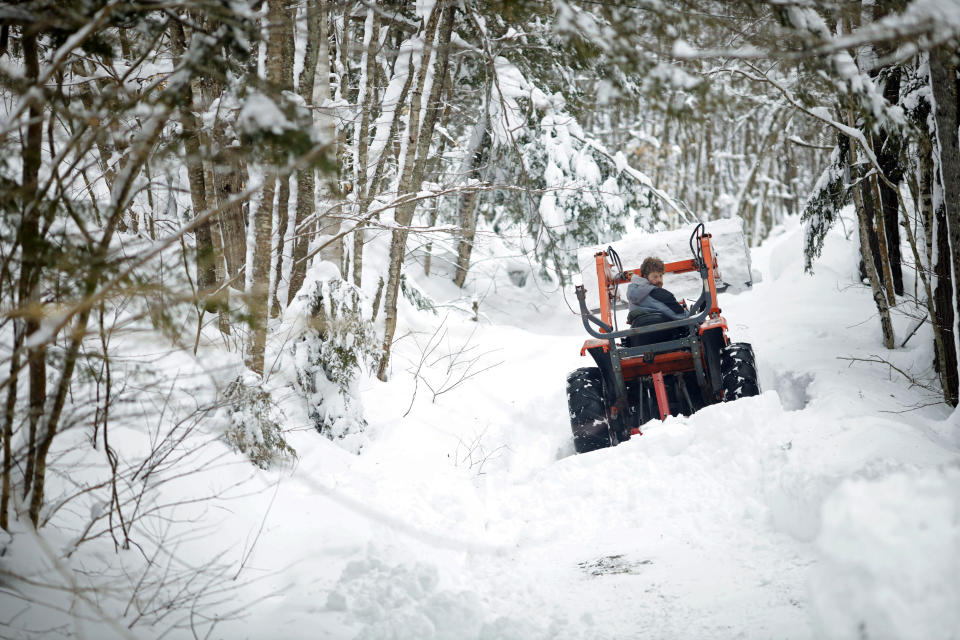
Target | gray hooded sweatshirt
(643,295)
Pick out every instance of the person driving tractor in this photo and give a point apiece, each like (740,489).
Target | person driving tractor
(649,301)
(669,362)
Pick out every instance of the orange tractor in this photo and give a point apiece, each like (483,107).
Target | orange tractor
(660,368)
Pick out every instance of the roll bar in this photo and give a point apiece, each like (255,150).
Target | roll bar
(610,334)
(703,261)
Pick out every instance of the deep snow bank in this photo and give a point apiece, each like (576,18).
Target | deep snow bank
(825,507)
(821,508)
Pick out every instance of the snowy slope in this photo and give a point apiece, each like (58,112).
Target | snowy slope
(826,507)
(829,506)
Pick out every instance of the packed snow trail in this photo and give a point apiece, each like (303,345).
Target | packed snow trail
(811,510)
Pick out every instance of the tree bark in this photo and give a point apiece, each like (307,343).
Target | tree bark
(283,195)
(227,178)
(316,15)
(362,189)
(331,224)
(260,288)
(206,264)
(870,196)
(374,180)
(9,414)
(32,254)
(227,182)
(943,84)
(943,320)
(941,314)
(467,202)
(263,218)
(437,167)
(888,157)
(879,298)
(418,142)
(327,224)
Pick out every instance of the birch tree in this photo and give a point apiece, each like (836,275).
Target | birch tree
(417,145)
(275,24)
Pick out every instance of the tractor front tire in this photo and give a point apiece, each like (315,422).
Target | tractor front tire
(739,371)
(588,413)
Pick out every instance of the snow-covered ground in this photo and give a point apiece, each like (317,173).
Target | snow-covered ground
(829,506)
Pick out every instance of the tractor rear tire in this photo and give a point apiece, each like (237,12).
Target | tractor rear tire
(739,371)
(588,413)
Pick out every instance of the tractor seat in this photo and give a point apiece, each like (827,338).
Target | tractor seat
(645,318)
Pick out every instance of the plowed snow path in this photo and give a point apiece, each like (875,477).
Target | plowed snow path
(471,518)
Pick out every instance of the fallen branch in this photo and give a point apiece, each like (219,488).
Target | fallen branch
(875,359)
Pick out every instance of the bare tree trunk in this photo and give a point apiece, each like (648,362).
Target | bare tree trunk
(362,190)
(663,152)
(418,144)
(873,239)
(263,218)
(946,104)
(227,182)
(698,173)
(925,189)
(223,297)
(327,224)
(210,89)
(711,171)
(870,196)
(260,289)
(869,263)
(943,319)
(335,251)
(938,335)
(438,157)
(428,249)
(283,196)
(750,221)
(206,264)
(374,180)
(306,188)
(227,178)
(9,412)
(31,252)
(886,150)
(888,157)
(467,202)
(283,220)
(316,16)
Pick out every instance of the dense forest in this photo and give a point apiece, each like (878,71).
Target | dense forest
(200,196)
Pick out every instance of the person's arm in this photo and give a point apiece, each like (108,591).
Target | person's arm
(634,291)
(662,295)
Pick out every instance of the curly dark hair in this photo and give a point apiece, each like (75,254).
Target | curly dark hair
(651,265)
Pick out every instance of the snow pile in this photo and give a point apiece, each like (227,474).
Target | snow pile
(828,506)
(802,513)
(891,551)
(332,342)
(728,243)
(404,601)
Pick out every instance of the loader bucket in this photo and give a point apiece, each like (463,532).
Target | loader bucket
(729,245)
